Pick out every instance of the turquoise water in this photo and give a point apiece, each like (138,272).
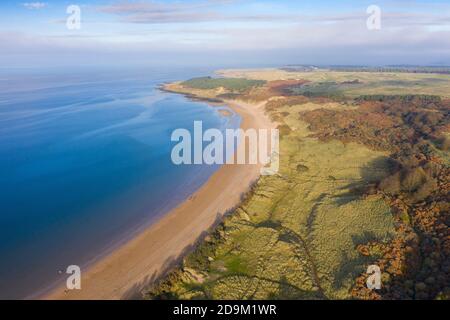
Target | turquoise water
(84,163)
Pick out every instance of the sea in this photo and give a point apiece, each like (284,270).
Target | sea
(85,164)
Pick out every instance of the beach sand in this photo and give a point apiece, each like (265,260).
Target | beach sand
(138,263)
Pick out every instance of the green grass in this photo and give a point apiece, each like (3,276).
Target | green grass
(231,84)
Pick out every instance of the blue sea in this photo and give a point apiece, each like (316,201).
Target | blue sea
(85,164)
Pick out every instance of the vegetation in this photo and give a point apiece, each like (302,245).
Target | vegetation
(277,243)
(239,85)
(395,69)
(391,69)
(370,83)
(417,187)
(408,98)
(325,89)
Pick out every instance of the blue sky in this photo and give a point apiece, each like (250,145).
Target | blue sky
(225,32)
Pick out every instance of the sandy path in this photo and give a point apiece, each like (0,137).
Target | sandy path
(136,264)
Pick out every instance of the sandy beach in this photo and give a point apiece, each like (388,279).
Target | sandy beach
(133,266)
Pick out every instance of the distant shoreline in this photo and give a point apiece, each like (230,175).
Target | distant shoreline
(123,273)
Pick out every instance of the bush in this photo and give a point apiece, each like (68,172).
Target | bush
(413,179)
(443,143)
(391,184)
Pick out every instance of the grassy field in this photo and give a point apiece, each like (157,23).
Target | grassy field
(295,236)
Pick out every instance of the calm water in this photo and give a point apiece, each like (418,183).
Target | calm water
(84,163)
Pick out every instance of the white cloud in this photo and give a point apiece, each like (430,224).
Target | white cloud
(34,5)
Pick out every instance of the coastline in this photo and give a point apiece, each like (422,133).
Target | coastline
(123,273)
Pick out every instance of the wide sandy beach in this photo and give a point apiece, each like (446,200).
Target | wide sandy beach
(136,264)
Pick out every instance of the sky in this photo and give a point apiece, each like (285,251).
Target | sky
(224,32)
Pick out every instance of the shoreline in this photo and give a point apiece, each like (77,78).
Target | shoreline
(142,260)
